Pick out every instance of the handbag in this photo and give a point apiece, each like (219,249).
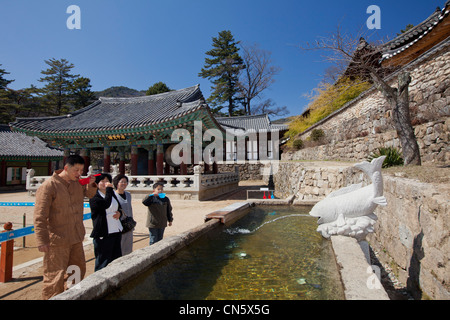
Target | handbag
(128,223)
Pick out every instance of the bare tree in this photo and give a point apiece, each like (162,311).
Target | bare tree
(258,74)
(268,106)
(362,60)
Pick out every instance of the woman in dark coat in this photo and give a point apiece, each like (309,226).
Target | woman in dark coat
(105,214)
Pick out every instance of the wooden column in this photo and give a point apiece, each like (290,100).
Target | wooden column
(3,174)
(151,161)
(122,160)
(107,159)
(167,169)
(183,166)
(86,154)
(206,161)
(159,159)
(134,160)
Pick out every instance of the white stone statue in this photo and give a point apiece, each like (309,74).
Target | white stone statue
(198,169)
(349,211)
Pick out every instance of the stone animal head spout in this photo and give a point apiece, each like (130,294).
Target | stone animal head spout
(371,168)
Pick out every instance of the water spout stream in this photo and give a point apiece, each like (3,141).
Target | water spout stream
(247,231)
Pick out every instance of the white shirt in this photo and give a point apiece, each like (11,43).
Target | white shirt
(114,225)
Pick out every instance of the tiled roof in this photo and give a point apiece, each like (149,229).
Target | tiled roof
(260,123)
(415,34)
(118,113)
(16,144)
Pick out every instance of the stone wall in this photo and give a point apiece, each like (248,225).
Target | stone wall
(365,124)
(250,170)
(432,137)
(310,181)
(413,235)
(412,231)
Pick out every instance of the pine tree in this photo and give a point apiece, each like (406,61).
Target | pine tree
(81,93)
(6,104)
(3,81)
(56,93)
(223,69)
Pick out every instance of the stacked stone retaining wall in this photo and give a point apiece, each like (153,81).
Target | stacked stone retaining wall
(412,232)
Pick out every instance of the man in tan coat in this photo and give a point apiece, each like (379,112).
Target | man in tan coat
(58,225)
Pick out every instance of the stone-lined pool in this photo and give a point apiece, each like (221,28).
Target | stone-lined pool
(272,253)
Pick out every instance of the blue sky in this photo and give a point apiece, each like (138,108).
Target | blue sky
(136,43)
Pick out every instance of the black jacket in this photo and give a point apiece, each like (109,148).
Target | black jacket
(98,212)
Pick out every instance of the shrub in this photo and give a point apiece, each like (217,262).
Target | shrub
(298,144)
(393,156)
(317,134)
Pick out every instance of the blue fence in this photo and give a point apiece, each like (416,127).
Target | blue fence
(28,204)
(19,233)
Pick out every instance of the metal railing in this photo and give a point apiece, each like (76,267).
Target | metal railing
(26,231)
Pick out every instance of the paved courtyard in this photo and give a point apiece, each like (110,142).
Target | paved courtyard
(27,272)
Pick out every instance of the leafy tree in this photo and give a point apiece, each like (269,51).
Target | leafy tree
(222,69)
(23,103)
(81,93)
(57,92)
(158,87)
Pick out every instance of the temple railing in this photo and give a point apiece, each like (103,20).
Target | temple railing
(171,182)
(195,186)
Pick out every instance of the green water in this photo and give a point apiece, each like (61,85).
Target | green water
(273,253)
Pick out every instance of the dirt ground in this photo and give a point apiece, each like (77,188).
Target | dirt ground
(27,280)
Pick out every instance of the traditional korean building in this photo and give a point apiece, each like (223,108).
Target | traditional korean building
(138,128)
(140,131)
(19,152)
(262,128)
(421,38)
